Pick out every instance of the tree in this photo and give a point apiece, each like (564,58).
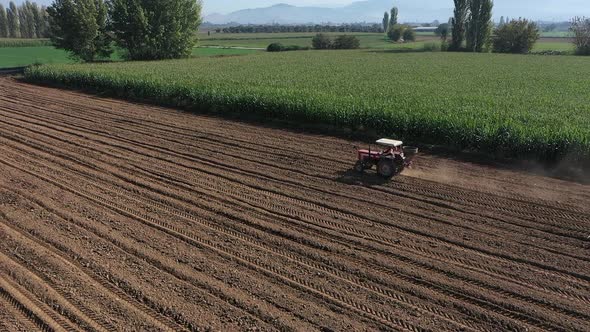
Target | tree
(580,27)
(479,24)
(153,30)
(409,34)
(80,27)
(27,19)
(458,23)
(40,18)
(393,16)
(346,42)
(442,31)
(515,37)
(3,22)
(12,18)
(395,32)
(321,42)
(502,22)
(22,20)
(550,27)
(385,21)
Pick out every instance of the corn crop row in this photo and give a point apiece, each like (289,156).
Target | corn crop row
(22,42)
(514,106)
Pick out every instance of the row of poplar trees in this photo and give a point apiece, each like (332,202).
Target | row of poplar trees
(390,19)
(472,24)
(28,20)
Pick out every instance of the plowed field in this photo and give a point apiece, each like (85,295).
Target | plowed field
(118,216)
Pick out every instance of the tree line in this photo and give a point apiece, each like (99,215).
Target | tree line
(474,31)
(142,29)
(28,20)
(395,31)
(354,27)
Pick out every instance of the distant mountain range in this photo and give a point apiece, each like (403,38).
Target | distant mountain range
(360,11)
(371,11)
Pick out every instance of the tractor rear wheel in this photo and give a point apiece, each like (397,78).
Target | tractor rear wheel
(385,168)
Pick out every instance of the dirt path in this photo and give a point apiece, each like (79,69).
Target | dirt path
(117,216)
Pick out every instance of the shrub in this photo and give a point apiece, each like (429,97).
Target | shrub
(321,42)
(80,27)
(551,52)
(431,47)
(443,31)
(346,42)
(581,30)
(517,36)
(395,32)
(275,47)
(295,48)
(409,34)
(278,47)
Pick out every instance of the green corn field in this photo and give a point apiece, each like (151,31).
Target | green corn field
(22,42)
(533,107)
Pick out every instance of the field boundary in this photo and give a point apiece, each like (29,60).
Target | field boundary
(576,171)
(12,71)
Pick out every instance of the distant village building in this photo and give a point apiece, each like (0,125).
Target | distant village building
(425,29)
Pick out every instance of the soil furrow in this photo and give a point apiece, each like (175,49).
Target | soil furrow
(123,216)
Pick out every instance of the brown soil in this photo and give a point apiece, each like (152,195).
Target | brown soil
(118,216)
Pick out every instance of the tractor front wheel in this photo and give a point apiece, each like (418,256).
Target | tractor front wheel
(385,168)
(359,166)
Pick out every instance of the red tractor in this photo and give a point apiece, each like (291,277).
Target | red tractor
(390,161)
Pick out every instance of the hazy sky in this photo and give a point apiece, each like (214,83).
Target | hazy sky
(534,9)
(227,6)
(581,7)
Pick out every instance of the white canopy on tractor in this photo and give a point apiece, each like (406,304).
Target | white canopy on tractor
(390,142)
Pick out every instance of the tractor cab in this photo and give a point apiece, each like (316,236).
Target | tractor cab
(390,159)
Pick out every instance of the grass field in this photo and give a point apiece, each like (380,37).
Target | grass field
(556,34)
(368,40)
(563,46)
(530,106)
(24,56)
(24,52)
(206,51)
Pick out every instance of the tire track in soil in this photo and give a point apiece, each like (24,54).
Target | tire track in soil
(574,295)
(41,316)
(557,252)
(151,260)
(200,242)
(97,110)
(104,286)
(389,294)
(13,319)
(466,195)
(291,207)
(426,193)
(76,317)
(528,319)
